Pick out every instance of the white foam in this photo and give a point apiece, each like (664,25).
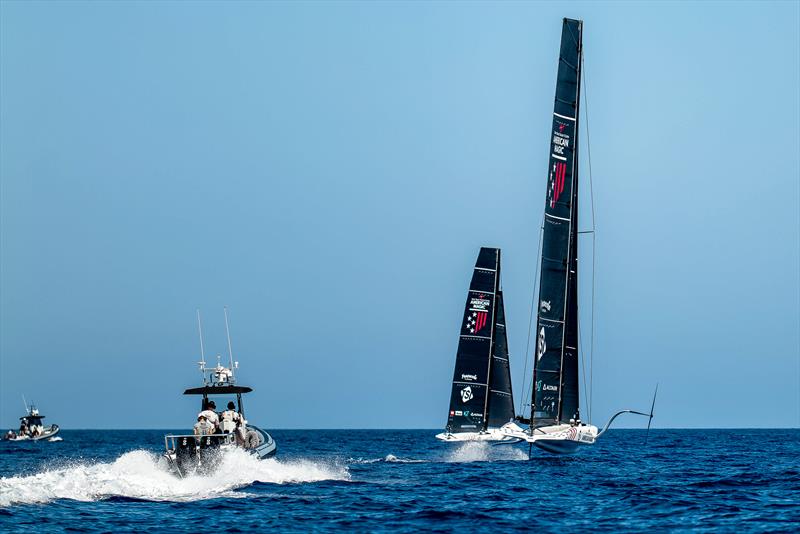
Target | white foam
(482,451)
(144,475)
(389,458)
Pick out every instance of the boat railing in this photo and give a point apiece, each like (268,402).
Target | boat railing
(170,439)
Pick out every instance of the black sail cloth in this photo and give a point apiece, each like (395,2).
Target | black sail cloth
(555,391)
(501,399)
(471,399)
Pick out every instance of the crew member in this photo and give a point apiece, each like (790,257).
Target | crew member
(202,427)
(230,418)
(210,414)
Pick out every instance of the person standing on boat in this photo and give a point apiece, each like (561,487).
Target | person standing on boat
(211,415)
(230,418)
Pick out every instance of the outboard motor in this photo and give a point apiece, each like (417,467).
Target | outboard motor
(209,445)
(186,454)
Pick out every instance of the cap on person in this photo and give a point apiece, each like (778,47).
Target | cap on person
(231,405)
(212,404)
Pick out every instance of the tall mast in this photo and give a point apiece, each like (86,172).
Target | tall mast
(555,381)
(491,342)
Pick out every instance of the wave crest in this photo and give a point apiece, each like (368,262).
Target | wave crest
(143,475)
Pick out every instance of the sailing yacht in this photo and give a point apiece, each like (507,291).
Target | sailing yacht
(555,423)
(481,400)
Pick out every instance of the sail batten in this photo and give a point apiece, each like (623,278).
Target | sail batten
(555,391)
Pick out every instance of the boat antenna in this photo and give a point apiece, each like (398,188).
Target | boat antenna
(202,361)
(650,420)
(25,403)
(228,332)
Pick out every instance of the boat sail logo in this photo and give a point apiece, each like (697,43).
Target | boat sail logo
(557,176)
(477,314)
(466,394)
(544,306)
(541,345)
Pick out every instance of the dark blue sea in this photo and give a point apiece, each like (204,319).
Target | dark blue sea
(404,480)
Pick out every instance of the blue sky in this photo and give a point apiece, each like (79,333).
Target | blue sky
(329,172)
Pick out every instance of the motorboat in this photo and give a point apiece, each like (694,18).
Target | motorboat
(31,427)
(198,452)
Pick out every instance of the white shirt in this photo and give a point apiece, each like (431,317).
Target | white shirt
(211,416)
(201,428)
(230,415)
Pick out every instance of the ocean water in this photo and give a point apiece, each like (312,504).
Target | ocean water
(404,480)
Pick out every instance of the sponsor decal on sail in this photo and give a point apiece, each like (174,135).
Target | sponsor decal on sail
(452,413)
(557,177)
(469,377)
(466,394)
(458,412)
(477,314)
(544,306)
(541,345)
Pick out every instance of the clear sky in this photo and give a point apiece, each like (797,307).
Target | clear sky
(330,170)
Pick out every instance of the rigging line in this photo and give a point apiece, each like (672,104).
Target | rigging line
(594,228)
(582,356)
(530,323)
(583,360)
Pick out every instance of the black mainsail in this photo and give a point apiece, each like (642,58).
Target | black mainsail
(555,376)
(481,395)
(501,399)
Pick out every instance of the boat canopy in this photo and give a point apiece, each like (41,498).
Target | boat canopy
(218,390)
(31,417)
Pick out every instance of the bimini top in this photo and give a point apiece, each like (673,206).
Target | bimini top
(33,413)
(217,390)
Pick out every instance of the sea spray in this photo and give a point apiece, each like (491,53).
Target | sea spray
(482,451)
(143,475)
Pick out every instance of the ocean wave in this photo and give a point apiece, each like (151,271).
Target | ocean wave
(389,458)
(143,475)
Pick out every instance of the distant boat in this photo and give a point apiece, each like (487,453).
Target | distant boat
(555,423)
(190,453)
(31,427)
(481,400)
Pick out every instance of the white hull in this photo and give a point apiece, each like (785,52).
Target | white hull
(556,439)
(197,459)
(491,434)
(47,433)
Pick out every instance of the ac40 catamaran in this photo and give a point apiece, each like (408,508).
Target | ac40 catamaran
(555,423)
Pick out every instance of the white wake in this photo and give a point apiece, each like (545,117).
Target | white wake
(143,475)
(481,451)
(389,459)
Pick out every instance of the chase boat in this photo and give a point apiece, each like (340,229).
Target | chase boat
(190,453)
(31,427)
